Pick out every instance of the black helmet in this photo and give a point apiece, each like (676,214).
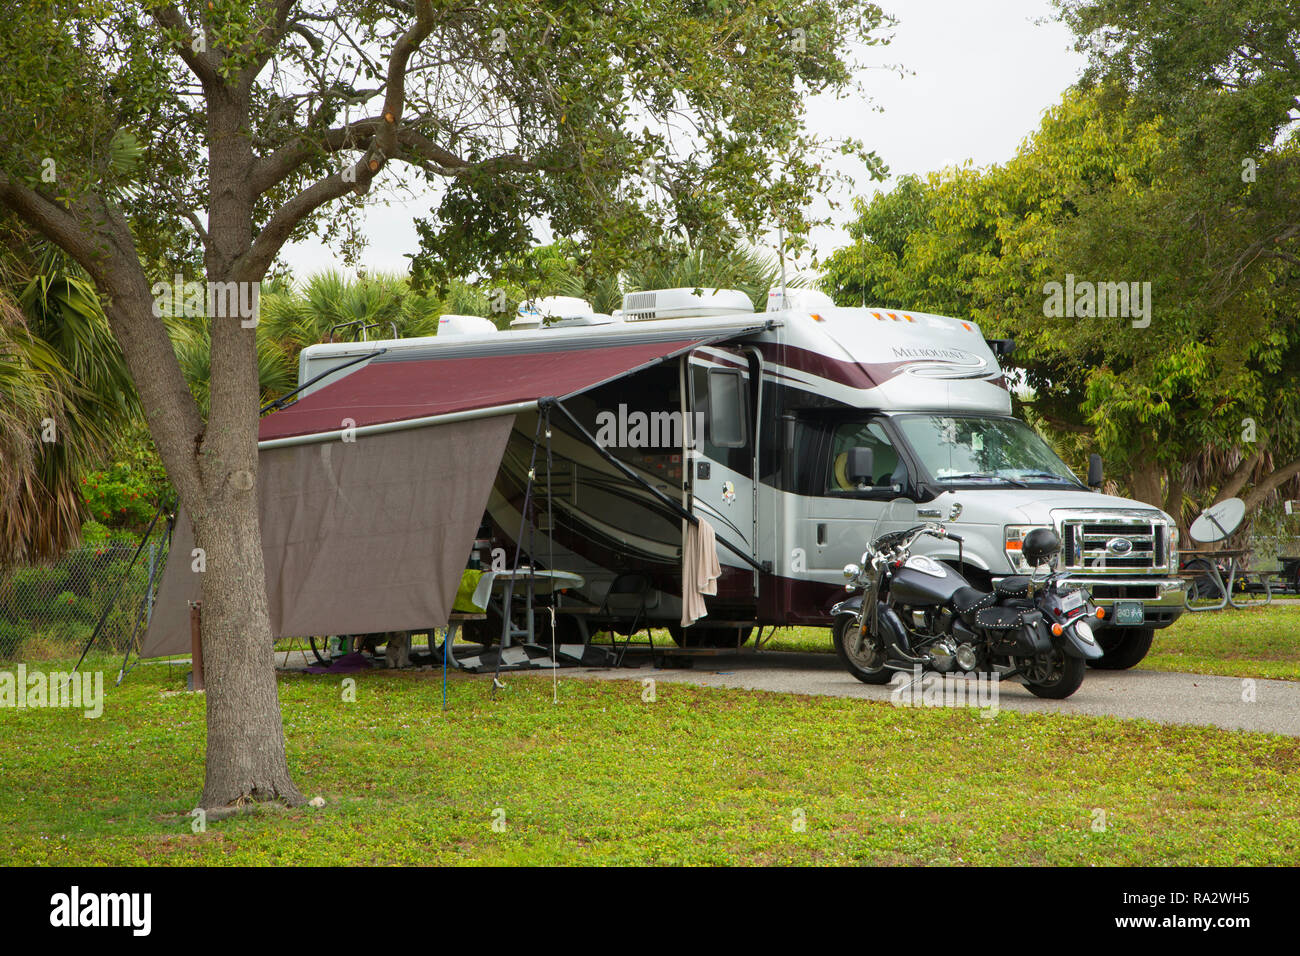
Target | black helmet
(1040,546)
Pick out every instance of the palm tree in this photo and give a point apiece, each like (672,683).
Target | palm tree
(64,394)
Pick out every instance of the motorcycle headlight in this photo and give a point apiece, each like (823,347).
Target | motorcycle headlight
(1084,630)
(851,571)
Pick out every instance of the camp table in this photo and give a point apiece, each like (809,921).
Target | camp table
(528,583)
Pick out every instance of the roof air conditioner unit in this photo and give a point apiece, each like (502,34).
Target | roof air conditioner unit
(683,303)
(465,325)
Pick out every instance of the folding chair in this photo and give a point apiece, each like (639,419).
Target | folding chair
(628,592)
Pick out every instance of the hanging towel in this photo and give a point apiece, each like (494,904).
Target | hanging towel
(700,570)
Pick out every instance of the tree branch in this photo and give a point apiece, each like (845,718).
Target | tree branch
(383,145)
(1270,484)
(202,65)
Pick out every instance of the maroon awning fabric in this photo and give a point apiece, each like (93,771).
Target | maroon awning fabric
(392,389)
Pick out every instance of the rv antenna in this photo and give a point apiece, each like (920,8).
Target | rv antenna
(780,254)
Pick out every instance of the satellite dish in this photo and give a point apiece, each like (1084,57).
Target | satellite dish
(1218,521)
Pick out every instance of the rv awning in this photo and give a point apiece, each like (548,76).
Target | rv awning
(397,391)
(371,533)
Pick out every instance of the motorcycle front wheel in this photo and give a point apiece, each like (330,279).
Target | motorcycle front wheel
(1052,676)
(865,658)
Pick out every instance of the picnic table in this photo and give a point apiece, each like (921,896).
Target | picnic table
(1211,558)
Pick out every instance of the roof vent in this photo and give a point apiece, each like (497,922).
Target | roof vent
(683,303)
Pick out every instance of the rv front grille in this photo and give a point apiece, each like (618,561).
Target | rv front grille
(1100,545)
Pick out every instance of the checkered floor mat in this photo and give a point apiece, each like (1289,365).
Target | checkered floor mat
(535,657)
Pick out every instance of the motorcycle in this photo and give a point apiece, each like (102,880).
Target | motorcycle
(909,610)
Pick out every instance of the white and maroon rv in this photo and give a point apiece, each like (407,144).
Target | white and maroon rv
(689,404)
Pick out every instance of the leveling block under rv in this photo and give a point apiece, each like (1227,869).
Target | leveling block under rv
(750,425)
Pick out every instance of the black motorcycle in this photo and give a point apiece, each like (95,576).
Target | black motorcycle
(911,610)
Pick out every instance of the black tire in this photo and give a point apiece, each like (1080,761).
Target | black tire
(1123,647)
(709,636)
(868,667)
(1204,588)
(1067,676)
(321,651)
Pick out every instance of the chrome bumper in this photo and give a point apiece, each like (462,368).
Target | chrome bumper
(1169,591)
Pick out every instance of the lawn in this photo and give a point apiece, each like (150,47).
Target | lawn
(1255,642)
(698,776)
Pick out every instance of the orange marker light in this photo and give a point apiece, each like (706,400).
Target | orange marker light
(1057,630)
(1101,613)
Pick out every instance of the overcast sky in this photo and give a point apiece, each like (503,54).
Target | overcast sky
(978,77)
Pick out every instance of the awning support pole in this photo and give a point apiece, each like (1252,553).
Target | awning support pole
(507,607)
(674,506)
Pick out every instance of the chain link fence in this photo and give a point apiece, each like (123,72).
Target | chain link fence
(49,612)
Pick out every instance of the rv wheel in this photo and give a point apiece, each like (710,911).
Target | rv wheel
(1124,647)
(709,636)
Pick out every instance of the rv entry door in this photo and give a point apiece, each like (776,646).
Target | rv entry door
(724,439)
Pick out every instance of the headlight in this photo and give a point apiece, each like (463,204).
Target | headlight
(1084,630)
(1015,540)
(1173,547)
(851,571)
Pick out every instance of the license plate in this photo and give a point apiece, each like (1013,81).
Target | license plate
(1130,612)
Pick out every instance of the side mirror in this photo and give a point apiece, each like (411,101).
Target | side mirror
(1094,470)
(860,466)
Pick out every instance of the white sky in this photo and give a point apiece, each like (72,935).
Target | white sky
(979,74)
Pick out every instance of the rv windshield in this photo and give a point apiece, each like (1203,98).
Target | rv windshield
(958,449)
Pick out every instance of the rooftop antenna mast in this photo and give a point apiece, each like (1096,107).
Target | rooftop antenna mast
(780,254)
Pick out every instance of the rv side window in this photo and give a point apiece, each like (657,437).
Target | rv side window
(726,408)
(891,471)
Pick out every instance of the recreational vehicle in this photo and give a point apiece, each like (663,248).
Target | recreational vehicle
(749,420)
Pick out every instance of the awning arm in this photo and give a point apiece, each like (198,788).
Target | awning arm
(673,506)
(283,400)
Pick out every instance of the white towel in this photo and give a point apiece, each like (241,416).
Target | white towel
(700,570)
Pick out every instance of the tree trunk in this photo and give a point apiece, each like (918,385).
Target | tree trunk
(1146,482)
(245,753)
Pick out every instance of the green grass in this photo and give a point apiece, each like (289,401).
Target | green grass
(699,776)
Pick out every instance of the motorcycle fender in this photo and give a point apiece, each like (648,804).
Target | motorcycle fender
(847,606)
(893,627)
(1072,645)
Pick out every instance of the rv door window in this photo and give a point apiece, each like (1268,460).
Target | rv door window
(891,470)
(726,408)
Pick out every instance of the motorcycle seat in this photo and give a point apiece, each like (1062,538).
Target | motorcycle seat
(1016,586)
(965,600)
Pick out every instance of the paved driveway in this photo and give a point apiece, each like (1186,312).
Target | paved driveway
(1167,698)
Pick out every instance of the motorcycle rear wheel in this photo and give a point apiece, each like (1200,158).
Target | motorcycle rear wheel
(1053,676)
(867,661)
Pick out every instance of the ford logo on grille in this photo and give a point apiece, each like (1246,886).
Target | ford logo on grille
(1119,545)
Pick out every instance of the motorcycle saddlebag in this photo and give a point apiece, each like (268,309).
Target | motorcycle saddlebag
(1014,630)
